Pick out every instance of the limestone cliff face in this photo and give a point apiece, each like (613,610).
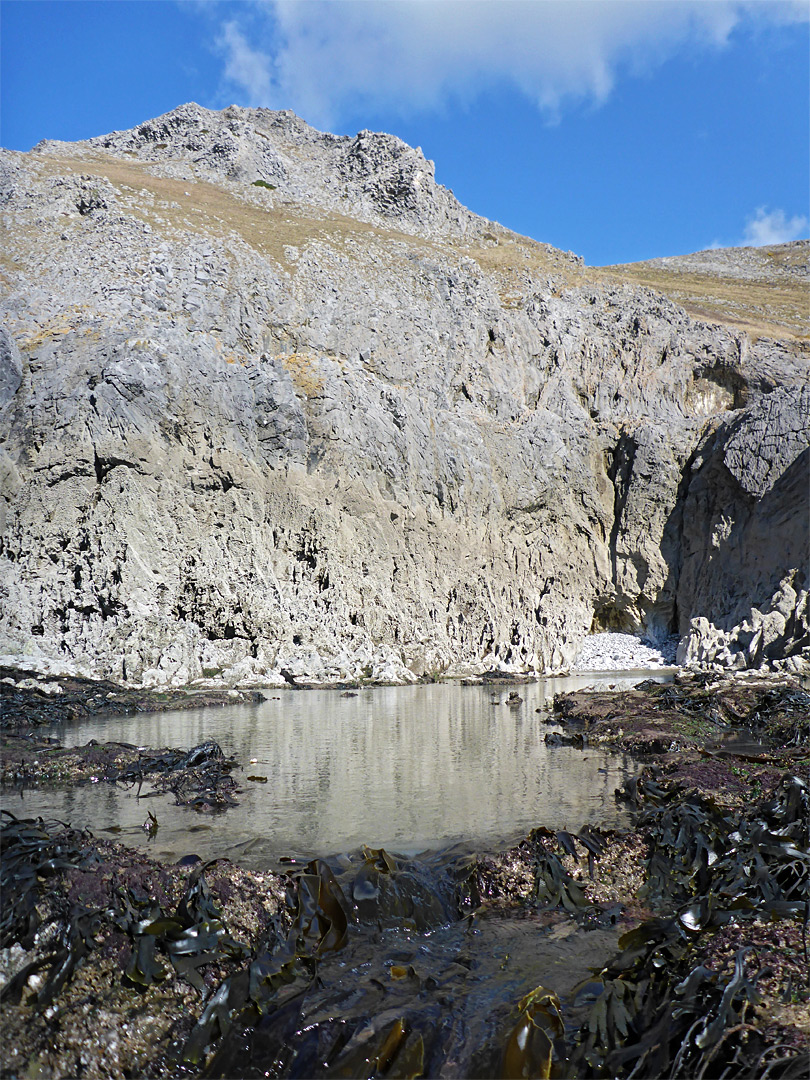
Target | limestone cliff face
(748,496)
(334,426)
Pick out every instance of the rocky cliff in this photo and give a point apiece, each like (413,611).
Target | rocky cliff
(274,405)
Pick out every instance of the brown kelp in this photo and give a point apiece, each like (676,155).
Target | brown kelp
(659,1010)
(34,852)
(345,992)
(381,965)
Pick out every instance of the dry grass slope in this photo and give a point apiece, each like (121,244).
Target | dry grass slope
(269,223)
(764,291)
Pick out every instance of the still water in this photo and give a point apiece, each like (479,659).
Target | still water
(405,768)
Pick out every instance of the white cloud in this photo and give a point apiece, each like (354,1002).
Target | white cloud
(765,227)
(248,68)
(325,57)
(773,227)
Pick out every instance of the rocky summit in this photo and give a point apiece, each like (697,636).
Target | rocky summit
(275,407)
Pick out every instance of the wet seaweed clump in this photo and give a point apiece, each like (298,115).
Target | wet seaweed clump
(385,968)
(200,778)
(88,921)
(783,714)
(34,852)
(681,998)
(401,967)
(318,995)
(388,966)
(189,937)
(378,965)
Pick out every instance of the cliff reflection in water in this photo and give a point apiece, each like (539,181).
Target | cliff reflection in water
(405,768)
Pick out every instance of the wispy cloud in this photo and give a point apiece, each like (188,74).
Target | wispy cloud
(773,227)
(765,227)
(323,58)
(246,67)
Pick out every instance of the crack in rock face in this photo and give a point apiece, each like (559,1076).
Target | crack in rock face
(275,408)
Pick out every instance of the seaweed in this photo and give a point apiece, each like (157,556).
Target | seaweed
(530,1047)
(727,864)
(371,888)
(23,705)
(659,1010)
(389,890)
(553,885)
(34,852)
(784,714)
(373,968)
(199,778)
(661,1013)
(190,938)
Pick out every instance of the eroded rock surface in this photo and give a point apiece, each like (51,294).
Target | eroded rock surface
(274,407)
(749,494)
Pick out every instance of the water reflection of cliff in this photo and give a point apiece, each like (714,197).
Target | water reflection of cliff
(403,767)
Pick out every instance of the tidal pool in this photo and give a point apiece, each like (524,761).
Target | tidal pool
(409,769)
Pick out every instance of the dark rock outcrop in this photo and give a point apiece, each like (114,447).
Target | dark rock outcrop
(747,522)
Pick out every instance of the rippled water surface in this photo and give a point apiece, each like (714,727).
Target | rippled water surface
(406,768)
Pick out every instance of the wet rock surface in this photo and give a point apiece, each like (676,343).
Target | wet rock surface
(676,948)
(119,955)
(28,699)
(692,713)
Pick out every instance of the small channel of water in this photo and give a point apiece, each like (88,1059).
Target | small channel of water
(405,768)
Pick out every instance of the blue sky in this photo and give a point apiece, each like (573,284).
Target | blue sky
(618,130)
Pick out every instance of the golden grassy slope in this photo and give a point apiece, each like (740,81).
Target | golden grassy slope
(764,303)
(772,301)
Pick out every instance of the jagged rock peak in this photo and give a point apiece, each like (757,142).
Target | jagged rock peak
(372,176)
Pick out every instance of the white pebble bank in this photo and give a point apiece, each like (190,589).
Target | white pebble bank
(622,652)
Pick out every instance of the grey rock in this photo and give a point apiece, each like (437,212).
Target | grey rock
(10,367)
(754,264)
(622,652)
(371,176)
(746,522)
(342,428)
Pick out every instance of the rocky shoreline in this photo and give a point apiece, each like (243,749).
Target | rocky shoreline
(30,697)
(185,1010)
